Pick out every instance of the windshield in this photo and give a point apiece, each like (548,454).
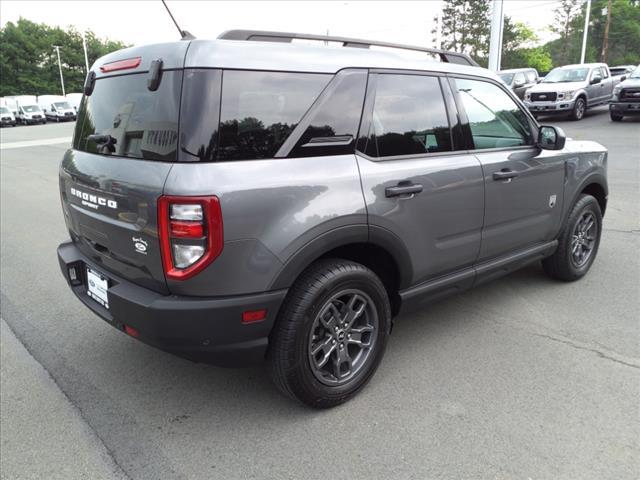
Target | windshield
(132,120)
(636,73)
(31,108)
(558,75)
(62,105)
(4,110)
(507,77)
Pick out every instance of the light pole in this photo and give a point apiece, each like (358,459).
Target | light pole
(495,42)
(586,29)
(84,46)
(57,47)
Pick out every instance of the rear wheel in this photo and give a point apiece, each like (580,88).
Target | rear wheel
(578,109)
(615,117)
(578,243)
(331,333)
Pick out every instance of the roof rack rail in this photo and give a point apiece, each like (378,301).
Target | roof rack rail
(285,37)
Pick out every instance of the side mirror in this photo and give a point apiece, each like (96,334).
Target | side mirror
(623,78)
(596,80)
(551,138)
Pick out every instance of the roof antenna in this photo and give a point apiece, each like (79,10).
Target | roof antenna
(183,33)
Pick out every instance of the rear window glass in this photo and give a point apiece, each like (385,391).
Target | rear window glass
(409,117)
(260,109)
(144,124)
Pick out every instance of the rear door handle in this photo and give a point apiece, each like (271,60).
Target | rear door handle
(403,188)
(505,174)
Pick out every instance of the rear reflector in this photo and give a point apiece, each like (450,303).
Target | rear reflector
(131,331)
(125,64)
(251,316)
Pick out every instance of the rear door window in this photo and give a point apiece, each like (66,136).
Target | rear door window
(259,110)
(143,123)
(409,117)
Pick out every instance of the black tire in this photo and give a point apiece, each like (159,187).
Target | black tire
(563,265)
(615,117)
(299,321)
(579,109)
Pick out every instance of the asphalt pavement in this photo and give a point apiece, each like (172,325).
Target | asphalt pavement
(521,378)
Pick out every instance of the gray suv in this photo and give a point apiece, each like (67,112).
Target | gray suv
(248,199)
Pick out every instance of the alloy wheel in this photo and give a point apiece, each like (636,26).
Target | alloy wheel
(342,337)
(583,239)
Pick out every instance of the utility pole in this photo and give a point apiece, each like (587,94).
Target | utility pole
(586,30)
(57,47)
(605,42)
(495,43)
(84,47)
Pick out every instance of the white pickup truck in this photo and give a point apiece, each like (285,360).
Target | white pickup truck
(570,90)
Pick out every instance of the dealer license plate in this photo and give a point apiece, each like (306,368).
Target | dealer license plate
(97,286)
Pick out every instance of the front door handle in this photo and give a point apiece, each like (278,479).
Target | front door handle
(403,188)
(505,174)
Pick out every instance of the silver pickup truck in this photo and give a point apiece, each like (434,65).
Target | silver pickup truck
(570,90)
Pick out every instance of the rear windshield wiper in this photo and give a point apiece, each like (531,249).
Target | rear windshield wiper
(106,142)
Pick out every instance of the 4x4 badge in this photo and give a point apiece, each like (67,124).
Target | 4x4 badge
(140,244)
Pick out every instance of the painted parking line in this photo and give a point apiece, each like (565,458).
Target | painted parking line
(35,143)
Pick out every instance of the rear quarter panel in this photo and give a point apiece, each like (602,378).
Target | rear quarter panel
(271,209)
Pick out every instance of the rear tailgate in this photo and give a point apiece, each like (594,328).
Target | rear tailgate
(110,210)
(110,188)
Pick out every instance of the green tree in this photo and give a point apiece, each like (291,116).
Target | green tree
(466,27)
(624,35)
(28,61)
(563,25)
(519,49)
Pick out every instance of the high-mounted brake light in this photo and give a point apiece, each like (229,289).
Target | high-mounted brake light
(191,235)
(125,64)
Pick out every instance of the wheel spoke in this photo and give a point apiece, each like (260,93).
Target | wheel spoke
(327,350)
(341,363)
(352,314)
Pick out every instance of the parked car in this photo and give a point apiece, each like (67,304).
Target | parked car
(313,194)
(622,70)
(571,90)
(74,100)
(519,79)
(56,108)
(626,97)
(6,117)
(30,114)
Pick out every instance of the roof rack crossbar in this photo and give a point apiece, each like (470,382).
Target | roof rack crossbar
(286,37)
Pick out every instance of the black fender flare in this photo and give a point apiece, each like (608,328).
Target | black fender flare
(340,237)
(594,177)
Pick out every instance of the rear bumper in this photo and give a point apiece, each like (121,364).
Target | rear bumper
(625,108)
(197,328)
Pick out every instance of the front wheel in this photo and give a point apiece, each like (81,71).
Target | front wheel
(578,109)
(578,243)
(331,333)
(615,117)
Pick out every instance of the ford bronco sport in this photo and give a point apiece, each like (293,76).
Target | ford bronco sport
(244,199)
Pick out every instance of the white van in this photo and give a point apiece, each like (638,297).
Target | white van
(6,116)
(74,99)
(56,108)
(30,113)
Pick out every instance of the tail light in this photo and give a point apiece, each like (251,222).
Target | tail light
(191,236)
